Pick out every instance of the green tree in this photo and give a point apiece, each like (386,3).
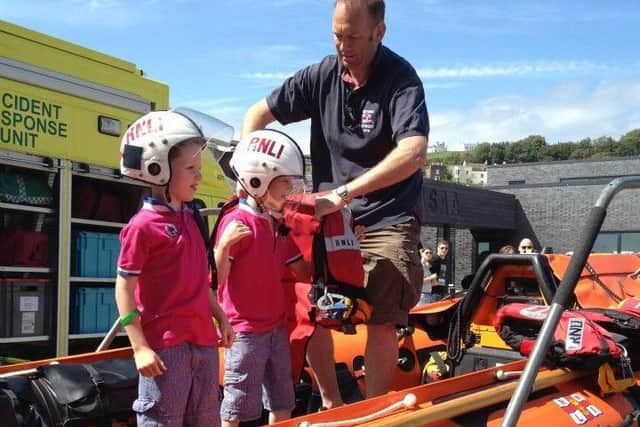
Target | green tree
(559,151)
(481,153)
(446,175)
(534,148)
(605,146)
(629,144)
(582,150)
(497,153)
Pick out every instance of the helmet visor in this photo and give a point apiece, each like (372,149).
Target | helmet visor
(215,132)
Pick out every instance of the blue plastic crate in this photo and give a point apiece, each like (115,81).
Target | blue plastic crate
(95,254)
(93,309)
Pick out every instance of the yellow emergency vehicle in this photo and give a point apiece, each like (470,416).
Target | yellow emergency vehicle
(63,110)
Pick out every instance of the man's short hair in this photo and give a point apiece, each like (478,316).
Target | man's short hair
(375,8)
(443,242)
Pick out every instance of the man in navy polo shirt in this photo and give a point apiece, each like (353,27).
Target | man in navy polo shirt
(369,129)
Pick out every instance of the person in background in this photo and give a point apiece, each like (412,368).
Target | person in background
(526,246)
(507,250)
(163,288)
(428,278)
(439,269)
(369,129)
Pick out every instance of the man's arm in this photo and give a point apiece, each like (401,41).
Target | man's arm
(258,116)
(409,156)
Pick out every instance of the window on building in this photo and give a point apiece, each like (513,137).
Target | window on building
(619,241)
(630,242)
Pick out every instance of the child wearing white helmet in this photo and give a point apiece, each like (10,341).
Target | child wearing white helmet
(163,288)
(251,253)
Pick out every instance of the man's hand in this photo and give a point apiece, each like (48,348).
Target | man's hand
(328,203)
(227,335)
(148,362)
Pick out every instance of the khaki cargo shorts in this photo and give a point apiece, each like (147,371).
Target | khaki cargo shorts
(393,273)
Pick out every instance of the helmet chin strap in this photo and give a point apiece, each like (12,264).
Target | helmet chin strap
(256,203)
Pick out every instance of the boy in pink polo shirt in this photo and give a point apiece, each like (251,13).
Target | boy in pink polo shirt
(251,254)
(163,289)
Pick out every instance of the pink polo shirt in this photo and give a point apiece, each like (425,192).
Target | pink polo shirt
(253,296)
(165,250)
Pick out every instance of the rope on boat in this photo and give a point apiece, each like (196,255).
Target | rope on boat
(454,338)
(599,282)
(409,401)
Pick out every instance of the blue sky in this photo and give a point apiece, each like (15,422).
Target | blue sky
(492,70)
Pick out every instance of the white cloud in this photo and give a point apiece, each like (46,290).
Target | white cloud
(567,113)
(279,77)
(506,70)
(519,69)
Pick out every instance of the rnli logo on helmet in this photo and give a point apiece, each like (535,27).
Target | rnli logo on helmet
(270,147)
(171,230)
(140,128)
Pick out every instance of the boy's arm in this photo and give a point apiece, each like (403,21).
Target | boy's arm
(147,361)
(223,264)
(227,335)
(233,232)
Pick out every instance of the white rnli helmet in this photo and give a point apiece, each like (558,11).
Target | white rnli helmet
(263,155)
(144,150)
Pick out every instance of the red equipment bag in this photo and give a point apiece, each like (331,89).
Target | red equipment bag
(23,248)
(97,201)
(578,340)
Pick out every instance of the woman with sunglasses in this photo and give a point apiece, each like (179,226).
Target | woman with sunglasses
(426,254)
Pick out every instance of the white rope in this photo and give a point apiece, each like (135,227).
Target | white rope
(409,401)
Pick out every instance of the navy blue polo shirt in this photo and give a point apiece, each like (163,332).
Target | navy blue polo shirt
(353,130)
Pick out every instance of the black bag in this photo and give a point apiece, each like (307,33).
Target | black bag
(17,404)
(209,241)
(83,394)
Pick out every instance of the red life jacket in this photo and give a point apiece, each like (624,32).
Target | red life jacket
(331,246)
(630,305)
(340,268)
(329,243)
(578,339)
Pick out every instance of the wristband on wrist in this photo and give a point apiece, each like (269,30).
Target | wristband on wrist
(127,318)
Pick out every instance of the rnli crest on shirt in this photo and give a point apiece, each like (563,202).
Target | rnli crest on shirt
(171,230)
(368,120)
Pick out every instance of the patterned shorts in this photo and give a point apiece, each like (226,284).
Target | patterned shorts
(257,373)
